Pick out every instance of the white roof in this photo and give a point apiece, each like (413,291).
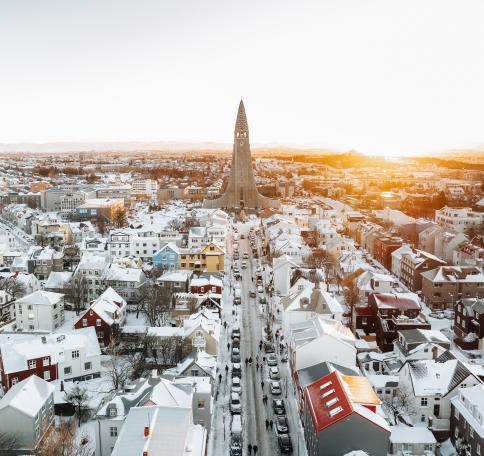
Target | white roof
(27,396)
(41,297)
(407,434)
(106,305)
(58,280)
(167,394)
(115,272)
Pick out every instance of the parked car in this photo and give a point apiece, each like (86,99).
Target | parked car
(275,388)
(271,359)
(236,370)
(244,264)
(235,356)
(282,426)
(274,373)
(236,342)
(278,407)
(268,347)
(245,256)
(260,289)
(263,300)
(253,294)
(284,442)
(236,438)
(235,405)
(236,332)
(236,386)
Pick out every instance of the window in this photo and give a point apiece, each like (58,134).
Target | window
(32,364)
(45,361)
(84,322)
(14,380)
(423,418)
(31,327)
(201,404)
(113,431)
(98,322)
(88,366)
(194,372)
(456,414)
(428,447)
(47,375)
(423,402)
(67,370)
(478,449)
(75,354)
(471,432)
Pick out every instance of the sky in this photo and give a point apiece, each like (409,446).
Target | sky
(386,77)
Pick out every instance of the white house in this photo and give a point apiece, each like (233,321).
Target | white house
(397,258)
(282,271)
(200,236)
(27,411)
(40,311)
(458,219)
(92,266)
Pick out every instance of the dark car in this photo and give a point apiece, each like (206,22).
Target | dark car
(282,427)
(235,355)
(236,342)
(269,347)
(285,444)
(253,294)
(278,407)
(236,370)
(236,446)
(236,332)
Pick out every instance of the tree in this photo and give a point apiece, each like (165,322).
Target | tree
(8,443)
(77,292)
(352,297)
(120,218)
(78,397)
(155,303)
(401,406)
(64,441)
(101,226)
(120,367)
(12,286)
(322,259)
(71,255)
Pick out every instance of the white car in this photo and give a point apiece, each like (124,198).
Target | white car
(275,388)
(274,373)
(236,386)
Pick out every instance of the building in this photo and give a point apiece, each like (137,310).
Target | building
(92,267)
(444,286)
(145,189)
(199,236)
(125,281)
(413,344)
(27,412)
(469,323)
(40,311)
(383,247)
(166,258)
(106,315)
(458,219)
(103,209)
(413,263)
(467,419)
(241,191)
(72,356)
(129,243)
(415,441)
(209,258)
(342,414)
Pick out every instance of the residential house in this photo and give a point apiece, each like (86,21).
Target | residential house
(103,209)
(106,315)
(92,267)
(469,323)
(467,419)
(209,258)
(426,238)
(412,265)
(397,258)
(471,253)
(415,441)
(282,268)
(447,243)
(458,219)
(342,414)
(166,258)
(414,344)
(126,281)
(40,311)
(27,413)
(384,245)
(444,286)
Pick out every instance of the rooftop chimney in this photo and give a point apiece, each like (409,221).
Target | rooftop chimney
(154,373)
(147,431)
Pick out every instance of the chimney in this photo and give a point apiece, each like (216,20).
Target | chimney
(62,385)
(154,373)
(145,453)
(147,432)
(434,352)
(44,339)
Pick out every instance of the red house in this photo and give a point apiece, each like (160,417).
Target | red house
(106,314)
(203,285)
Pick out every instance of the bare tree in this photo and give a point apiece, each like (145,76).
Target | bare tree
(12,286)
(78,397)
(322,259)
(156,302)
(120,219)
(169,350)
(119,366)
(71,255)
(175,224)
(8,443)
(64,441)
(77,292)
(352,297)
(401,405)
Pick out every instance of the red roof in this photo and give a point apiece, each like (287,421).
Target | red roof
(336,396)
(389,300)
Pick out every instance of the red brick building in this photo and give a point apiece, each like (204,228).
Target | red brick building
(383,247)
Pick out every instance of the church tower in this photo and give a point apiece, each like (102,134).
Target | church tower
(241,192)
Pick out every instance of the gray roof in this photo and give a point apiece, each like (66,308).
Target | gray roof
(311,374)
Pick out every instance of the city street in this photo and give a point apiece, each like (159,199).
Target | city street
(251,317)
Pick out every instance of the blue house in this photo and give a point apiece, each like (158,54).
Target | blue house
(167,257)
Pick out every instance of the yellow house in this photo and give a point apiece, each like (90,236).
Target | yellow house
(209,258)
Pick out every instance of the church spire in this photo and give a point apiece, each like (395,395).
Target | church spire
(241,125)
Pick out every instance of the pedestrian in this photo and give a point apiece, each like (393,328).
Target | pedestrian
(264,359)
(226,368)
(250,360)
(262,384)
(249,447)
(228,346)
(271,423)
(267,424)
(246,362)
(257,366)
(220,378)
(255,449)
(257,358)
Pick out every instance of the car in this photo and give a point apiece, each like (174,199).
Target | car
(274,373)
(236,386)
(242,236)
(235,357)
(252,294)
(244,264)
(236,342)
(236,370)
(285,444)
(263,300)
(236,332)
(271,359)
(269,347)
(282,426)
(278,407)
(235,404)
(245,256)
(275,388)
(260,290)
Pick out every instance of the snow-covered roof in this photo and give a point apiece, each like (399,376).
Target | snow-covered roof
(167,394)
(58,280)
(415,434)
(41,297)
(175,276)
(120,274)
(107,305)
(27,396)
